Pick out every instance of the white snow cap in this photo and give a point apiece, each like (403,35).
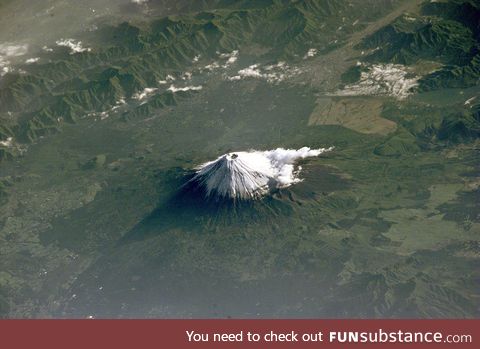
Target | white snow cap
(252,174)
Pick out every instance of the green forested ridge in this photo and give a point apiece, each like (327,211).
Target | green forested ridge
(461,126)
(444,32)
(447,33)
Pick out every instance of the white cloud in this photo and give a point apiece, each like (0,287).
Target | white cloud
(470,100)
(13,50)
(310,53)
(273,73)
(9,51)
(382,80)
(167,79)
(146,92)
(32,60)
(184,89)
(231,57)
(225,61)
(106,113)
(73,45)
(8,143)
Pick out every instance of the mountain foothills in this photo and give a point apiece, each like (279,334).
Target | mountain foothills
(444,32)
(98,133)
(38,100)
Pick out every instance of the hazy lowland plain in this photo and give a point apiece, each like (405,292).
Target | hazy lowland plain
(106,107)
